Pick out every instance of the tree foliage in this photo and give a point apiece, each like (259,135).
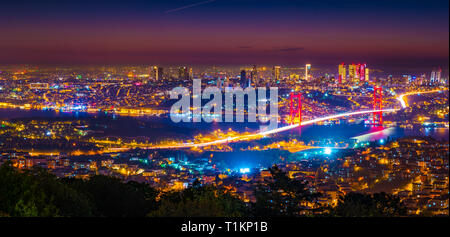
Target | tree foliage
(36,192)
(114,198)
(369,205)
(200,201)
(281,195)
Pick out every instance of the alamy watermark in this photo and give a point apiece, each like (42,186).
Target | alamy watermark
(232,110)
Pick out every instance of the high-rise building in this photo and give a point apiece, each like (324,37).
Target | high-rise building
(221,80)
(156,73)
(435,77)
(254,76)
(351,72)
(362,72)
(366,74)
(342,73)
(357,70)
(357,76)
(307,72)
(276,74)
(243,81)
(226,82)
(191,73)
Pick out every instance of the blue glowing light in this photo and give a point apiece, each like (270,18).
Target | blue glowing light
(327,151)
(244,170)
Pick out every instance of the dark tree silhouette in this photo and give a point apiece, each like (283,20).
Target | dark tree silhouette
(369,205)
(36,192)
(114,198)
(198,201)
(281,195)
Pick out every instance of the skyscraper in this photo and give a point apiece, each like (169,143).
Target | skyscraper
(351,72)
(362,72)
(307,72)
(276,74)
(191,74)
(342,73)
(156,73)
(226,82)
(357,76)
(243,82)
(254,76)
(435,77)
(366,74)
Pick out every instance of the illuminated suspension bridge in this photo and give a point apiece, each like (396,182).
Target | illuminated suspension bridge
(377,119)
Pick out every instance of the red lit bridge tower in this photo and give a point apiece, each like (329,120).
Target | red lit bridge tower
(377,118)
(296,111)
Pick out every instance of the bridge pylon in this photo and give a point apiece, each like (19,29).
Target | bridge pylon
(377,117)
(295,111)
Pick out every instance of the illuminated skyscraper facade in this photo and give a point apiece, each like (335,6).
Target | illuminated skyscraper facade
(156,73)
(366,74)
(254,76)
(356,74)
(276,74)
(342,78)
(307,72)
(351,72)
(361,72)
(435,77)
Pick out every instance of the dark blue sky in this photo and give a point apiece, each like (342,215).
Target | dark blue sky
(382,33)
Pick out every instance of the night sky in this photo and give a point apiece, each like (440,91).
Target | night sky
(382,33)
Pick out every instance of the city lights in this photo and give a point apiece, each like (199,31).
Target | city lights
(251,111)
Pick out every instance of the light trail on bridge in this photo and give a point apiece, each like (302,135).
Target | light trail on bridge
(402,99)
(265,133)
(282,129)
